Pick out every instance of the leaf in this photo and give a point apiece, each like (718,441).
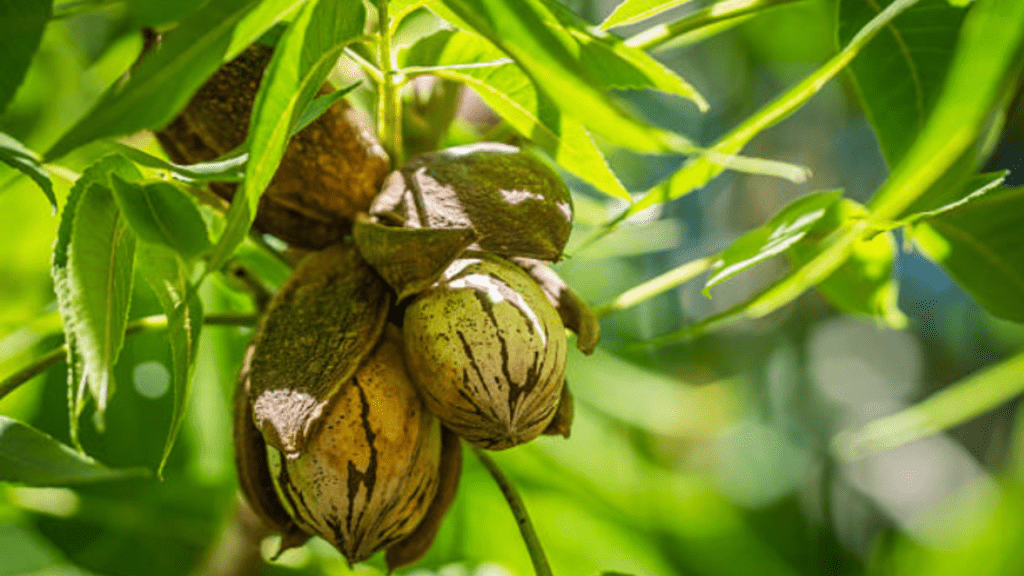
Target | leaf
(161,213)
(155,12)
(319,327)
(899,75)
(305,54)
(399,9)
(101,256)
(28,456)
(532,36)
(512,95)
(946,198)
(618,65)
(17,156)
(785,229)
(21,28)
(67,282)
(318,106)
(986,57)
(230,169)
(960,402)
(167,275)
(633,11)
(978,243)
(162,83)
(863,284)
(699,170)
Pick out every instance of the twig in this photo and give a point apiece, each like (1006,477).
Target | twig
(515,502)
(657,285)
(147,324)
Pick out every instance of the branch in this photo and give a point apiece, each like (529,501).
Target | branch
(515,502)
(147,324)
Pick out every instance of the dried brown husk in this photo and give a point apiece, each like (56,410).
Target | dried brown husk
(331,169)
(487,351)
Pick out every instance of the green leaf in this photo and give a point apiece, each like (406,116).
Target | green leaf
(699,170)
(978,243)
(960,402)
(21,29)
(167,275)
(986,58)
(162,83)
(617,65)
(702,24)
(533,36)
(305,54)
(156,12)
(101,257)
(67,281)
(945,198)
(468,59)
(28,456)
(863,284)
(231,169)
(899,75)
(17,156)
(161,213)
(633,11)
(318,106)
(785,229)
(399,9)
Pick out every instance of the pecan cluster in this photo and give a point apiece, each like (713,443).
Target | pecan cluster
(430,315)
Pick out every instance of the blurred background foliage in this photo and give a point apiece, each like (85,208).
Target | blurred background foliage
(709,457)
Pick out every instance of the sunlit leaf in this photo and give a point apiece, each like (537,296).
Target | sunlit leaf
(702,24)
(986,56)
(979,244)
(160,212)
(513,96)
(633,11)
(528,32)
(399,9)
(940,201)
(318,106)
(156,12)
(785,229)
(863,284)
(701,169)
(162,83)
(101,258)
(28,456)
(17,156)
(618,65)
(21,29)
(899,75)
(305,54)
(92,336)
(960,402)
(227,170)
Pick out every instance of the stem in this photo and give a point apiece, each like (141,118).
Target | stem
(389,106)
(515,502)
(657,285)
(146,324)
